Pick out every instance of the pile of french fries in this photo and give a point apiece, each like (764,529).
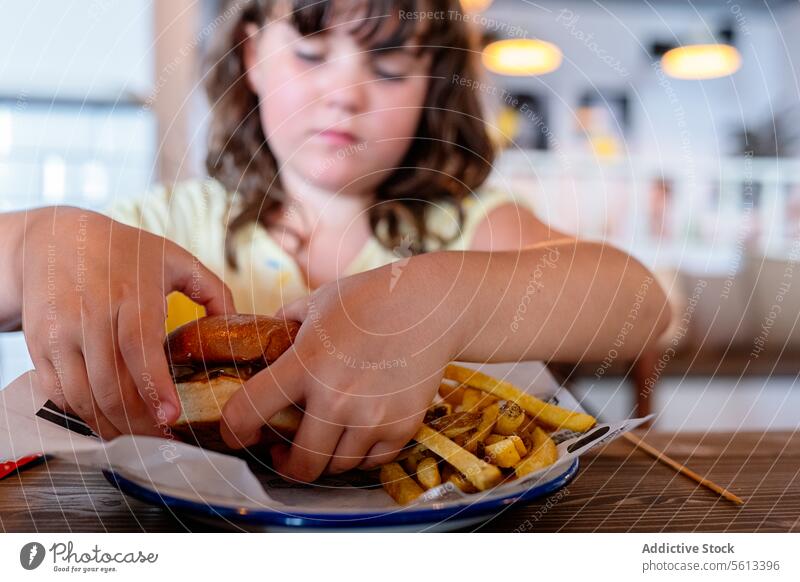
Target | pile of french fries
(481,433)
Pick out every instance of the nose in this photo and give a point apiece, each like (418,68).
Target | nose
(345,85)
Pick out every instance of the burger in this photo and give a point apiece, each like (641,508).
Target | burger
(211,358)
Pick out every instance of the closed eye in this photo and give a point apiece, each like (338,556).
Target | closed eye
(394,64)
(387,76)
(311,49)
(309,57)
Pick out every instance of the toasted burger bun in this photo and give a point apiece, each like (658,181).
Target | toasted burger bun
(211,358)
(201,406)
(231,339)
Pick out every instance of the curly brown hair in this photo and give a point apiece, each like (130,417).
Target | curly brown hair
(450,156)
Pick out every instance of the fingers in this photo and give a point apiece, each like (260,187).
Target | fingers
(185,273)
(311,449)
(383,452)
(258,400)
(140,336)
(79,397)
(353,446)
(48,382)
(61,375)
(296,310)
(113,386)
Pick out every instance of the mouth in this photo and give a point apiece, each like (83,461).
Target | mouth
(338,138)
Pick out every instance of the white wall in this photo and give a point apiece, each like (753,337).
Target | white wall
(98,49)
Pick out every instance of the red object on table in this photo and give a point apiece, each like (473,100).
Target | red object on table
(9,467)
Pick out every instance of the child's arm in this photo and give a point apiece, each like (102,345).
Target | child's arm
(563,300)
(89,293)
(372,348)
(12,226)
(614,286)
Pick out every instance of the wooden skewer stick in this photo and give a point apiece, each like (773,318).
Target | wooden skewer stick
(653,452)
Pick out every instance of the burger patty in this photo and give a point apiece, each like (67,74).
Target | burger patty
(193,374)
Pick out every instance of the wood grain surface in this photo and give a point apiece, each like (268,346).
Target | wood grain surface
(618,489)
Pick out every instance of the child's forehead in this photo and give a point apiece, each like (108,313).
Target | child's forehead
(373,23)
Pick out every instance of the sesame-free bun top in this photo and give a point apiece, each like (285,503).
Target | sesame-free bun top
(230,339)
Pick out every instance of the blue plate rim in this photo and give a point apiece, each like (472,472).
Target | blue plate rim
(271,517)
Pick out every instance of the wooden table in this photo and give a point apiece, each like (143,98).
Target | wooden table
(617,489)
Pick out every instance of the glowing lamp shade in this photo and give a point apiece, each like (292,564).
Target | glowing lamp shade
(475,5)
(701,61)
(522,57)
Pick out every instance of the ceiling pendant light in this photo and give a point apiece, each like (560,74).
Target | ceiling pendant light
(475,5)
(701,61)
(522,57)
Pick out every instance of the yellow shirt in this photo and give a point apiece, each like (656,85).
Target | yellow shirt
(194,214)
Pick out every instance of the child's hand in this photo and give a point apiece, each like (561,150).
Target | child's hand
(365,365)
(93,310)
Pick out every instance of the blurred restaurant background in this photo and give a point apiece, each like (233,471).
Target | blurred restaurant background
(669,128)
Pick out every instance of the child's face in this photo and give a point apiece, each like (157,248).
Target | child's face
(333,111)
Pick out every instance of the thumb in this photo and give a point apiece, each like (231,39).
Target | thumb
(297,310)
(192,278)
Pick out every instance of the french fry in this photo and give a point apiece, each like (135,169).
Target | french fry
(438,410)
(488,420)
(456,424)
(411,461)
(402,488)
(451,475)
(453,394)
(478,472)
(510,419)
(460,481)
(544,413)
(518,442)
(493,439)
(475,401)
(544,454)
(527,440)
(471,399)
(461,440)
(428,473)
(527,426)
(496,421)
(503,453)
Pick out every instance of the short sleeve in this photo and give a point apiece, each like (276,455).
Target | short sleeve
(149,212)
(191,214)
(477,208)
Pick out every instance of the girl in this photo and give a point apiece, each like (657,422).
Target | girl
(346,167)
